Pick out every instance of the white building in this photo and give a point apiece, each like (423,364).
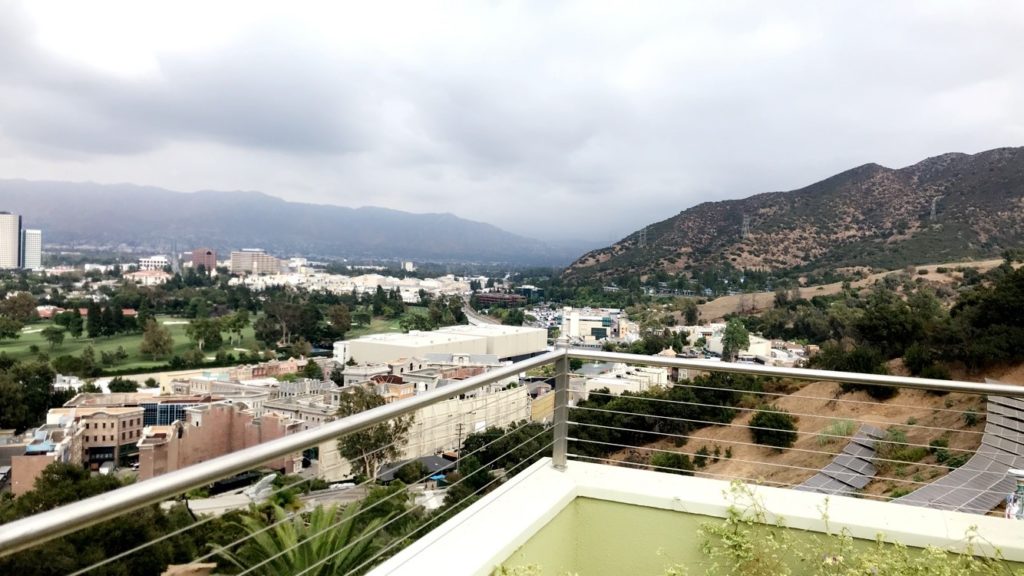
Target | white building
(10,241)
(32,249)
(622,378)
(154,262)
(505,342)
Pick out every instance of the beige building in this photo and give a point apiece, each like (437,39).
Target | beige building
(10,241)
(254,261)
(108,433)
(443,426)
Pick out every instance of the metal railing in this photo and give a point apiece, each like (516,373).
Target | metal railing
(565,428)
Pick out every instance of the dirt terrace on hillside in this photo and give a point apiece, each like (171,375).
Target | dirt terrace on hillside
(921,415)
(760,301)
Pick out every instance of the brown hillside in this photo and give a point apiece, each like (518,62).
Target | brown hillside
(870,216)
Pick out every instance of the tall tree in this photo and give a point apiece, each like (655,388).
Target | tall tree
(340,319)
(156,340)
(20,307)
(94,320)
(205,332)
(370,449)
(736,338)
(76,323)
(10,328)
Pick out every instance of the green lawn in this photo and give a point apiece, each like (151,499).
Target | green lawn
(380,325)
(31,334)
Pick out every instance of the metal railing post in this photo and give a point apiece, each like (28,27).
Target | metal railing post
(561,414)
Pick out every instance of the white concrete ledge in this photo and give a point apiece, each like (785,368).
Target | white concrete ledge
(480,538)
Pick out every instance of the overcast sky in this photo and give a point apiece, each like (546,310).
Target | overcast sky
(555,120)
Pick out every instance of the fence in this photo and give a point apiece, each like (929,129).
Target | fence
(730,424)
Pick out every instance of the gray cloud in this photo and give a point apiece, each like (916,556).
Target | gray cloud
(554,120)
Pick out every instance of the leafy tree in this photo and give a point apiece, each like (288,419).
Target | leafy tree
(151,382)
(20,307)
(312,370)
(120,384)
(236,324)
(370,449)
(736,338)
(156,340)
(54,335)
(10,328)
(340,319)
(94,320)
(322,543)
(690,312)
(205,332)
(411,472)
(772,426)
(76,324)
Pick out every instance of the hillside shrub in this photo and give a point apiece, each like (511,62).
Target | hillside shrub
(772,426)
(672,462)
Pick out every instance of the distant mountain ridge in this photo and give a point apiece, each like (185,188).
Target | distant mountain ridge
(141,216)
(870,215)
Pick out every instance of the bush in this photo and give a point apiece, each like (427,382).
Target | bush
(772,426)
(836,430)
(971,418)
(894,448)
(936,372)
(672,462)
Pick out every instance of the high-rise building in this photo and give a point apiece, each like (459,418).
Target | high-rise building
(205,257)
(10,241)
(254,261)
(32,249)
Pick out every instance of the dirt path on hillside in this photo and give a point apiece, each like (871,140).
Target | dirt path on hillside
(761,301)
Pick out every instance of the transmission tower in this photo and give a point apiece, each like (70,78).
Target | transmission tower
(642,242)
(746,225)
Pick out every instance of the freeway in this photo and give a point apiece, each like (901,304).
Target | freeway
(474,317)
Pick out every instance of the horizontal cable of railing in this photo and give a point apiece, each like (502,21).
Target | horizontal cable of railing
(374,505)
(760,462)
(800,373)
(27,532)
(488,403)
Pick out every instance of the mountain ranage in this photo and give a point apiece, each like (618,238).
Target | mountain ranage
(139,216)
(942,209)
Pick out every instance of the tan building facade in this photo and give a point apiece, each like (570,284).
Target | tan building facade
(211,431)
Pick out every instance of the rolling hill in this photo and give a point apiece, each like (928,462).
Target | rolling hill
(949,207)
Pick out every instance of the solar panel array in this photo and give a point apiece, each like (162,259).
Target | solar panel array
(982,482)
(850,470)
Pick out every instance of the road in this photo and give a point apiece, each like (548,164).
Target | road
(475,318)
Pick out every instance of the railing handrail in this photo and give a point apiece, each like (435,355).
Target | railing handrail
(801,373)
(39,528)
(46,526)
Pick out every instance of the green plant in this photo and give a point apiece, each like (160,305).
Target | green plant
(672,462)
(772,426)
(911,421)
(835,430)
(971,418)
(745,543)
(895,449)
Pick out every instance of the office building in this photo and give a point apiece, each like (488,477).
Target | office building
(254,261)
(10,241)
(204,257)
(32,249)
(158,262)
